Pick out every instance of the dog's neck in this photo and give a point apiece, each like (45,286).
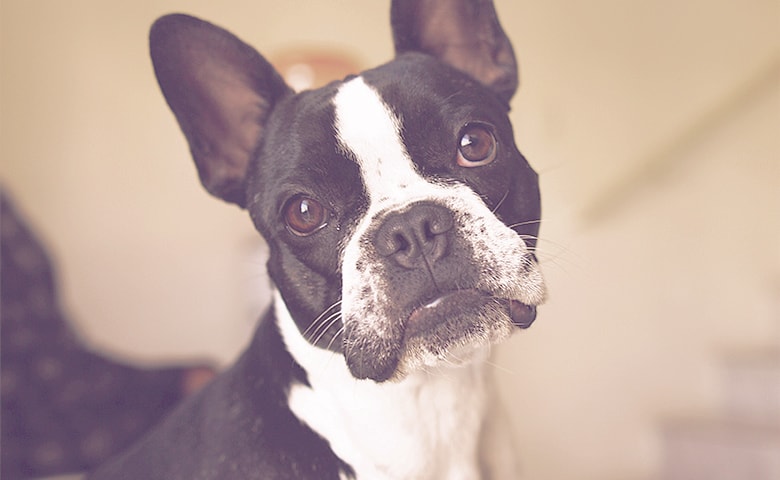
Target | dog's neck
(425,426)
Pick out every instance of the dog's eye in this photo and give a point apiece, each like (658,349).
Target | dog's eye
(304,215)
(477,145)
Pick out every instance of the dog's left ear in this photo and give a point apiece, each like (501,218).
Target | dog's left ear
(465,34)
(221,91)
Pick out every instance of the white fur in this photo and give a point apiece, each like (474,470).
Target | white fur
(427,426)
(368,129)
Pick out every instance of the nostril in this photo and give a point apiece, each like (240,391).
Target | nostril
(438,223)
(401,242)
(429,230)
(392,239)
(419,231)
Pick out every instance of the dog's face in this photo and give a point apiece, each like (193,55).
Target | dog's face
(400,216)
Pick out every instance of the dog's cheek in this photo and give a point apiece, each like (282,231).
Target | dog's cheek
(522,206)
(307,292)
(507,268)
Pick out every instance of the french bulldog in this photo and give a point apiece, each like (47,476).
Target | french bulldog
(402,223)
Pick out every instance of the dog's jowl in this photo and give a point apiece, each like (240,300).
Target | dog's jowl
(401,221)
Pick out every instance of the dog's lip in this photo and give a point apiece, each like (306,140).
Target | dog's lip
(427,316)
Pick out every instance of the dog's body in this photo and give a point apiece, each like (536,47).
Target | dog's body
(401,222)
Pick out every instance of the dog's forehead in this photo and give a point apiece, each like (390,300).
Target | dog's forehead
(300,145)
(330,134)
(370,132)
(413,101)
(375,134)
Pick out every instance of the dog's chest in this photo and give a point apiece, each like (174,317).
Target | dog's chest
(425,427)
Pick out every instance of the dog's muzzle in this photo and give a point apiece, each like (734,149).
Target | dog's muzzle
(433,278)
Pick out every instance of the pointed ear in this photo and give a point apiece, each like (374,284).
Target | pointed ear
(221,91)
(462,33)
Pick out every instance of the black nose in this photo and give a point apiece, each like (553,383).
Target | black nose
(415,236)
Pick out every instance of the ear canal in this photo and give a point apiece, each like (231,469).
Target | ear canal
(221,92)
(465,34)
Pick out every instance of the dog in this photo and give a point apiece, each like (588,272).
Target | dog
(401,221)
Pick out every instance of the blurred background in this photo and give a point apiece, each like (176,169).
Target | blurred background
(655,127)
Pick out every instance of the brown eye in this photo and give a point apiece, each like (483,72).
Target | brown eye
(304,215)
(477,145)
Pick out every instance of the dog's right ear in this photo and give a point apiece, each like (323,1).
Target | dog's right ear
(465,34)
(221,91)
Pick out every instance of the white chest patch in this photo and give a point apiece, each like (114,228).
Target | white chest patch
(426,426)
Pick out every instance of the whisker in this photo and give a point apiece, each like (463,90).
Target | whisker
(319,318)
(500,368)
(435,372)
(324,323)
(548,220)
(332,320)
(527,222)
(558,254)
(338,334)
(500,202)
(330,344)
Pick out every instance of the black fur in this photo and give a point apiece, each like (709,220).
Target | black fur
(237,427)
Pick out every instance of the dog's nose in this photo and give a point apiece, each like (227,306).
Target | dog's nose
(415,236)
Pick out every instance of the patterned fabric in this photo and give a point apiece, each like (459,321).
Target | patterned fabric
(64,409)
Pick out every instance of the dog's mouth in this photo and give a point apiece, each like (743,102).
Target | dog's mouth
(464,306)
(456,327)
(418,299)
(453,328)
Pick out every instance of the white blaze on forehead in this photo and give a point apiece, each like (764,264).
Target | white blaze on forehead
(367,128)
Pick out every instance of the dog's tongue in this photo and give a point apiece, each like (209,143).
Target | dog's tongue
(522,315)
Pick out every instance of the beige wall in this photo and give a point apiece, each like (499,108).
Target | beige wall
(654,128)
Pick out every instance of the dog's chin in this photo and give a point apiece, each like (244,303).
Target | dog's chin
(453,329)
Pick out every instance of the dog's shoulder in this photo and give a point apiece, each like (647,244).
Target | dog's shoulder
(239,426)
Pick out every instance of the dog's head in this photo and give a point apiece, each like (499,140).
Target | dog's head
(401,218)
